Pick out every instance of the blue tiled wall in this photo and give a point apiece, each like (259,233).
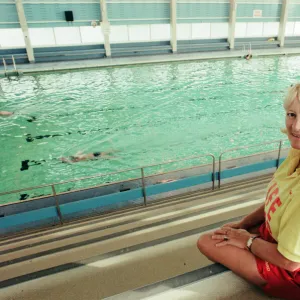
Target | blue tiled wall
(294,12)
(8,15)
(270,12)
(52,15)
(138,13)
(202,12)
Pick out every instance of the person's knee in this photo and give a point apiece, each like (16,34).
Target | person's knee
(204,243)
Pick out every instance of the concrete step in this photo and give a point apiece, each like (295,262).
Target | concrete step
(225,286)
(136,245)
(121,252)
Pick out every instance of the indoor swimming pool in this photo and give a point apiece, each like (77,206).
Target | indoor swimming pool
(148,114)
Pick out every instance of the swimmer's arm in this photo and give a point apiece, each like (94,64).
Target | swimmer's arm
(65,160)
(108,152)
(268,252)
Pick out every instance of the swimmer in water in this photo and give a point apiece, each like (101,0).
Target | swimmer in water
(4,113)
(89,156)
(248,56)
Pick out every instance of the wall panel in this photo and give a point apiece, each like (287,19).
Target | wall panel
(138,12)
(52,15)
(270,12)
(197,11)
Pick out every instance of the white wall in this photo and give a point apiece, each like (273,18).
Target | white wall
(257,29)
(292,29)
(160,32)
(184,31)
(91,35)
(42,37)
(202,31)
(289,30)
(139,33)
(11,38)
(60,36)
(219,30)
(270,29)
(67,36)
(119,34)
(240,30)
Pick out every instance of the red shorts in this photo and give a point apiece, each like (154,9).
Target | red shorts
(280,282)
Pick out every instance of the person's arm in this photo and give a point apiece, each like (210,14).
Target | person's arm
(265,250)
(268,252)
(255,218)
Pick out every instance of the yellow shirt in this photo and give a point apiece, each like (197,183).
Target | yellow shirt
(282,207)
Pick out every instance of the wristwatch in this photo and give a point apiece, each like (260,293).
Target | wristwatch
(250,241)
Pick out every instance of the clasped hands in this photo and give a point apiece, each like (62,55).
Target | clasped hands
(232,234)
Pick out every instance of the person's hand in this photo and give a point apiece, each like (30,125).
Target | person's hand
(235,225)
(231,236)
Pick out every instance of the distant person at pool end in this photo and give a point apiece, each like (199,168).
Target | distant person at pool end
(4,113)
(248,56)
(89,156)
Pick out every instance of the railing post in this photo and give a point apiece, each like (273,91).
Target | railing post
(24,27)
(232,23)
(173,25)
(57,204)
(4,64)
(105,27)
(219,173)
(279,153)
(213,172)
(14,62)
(143,187)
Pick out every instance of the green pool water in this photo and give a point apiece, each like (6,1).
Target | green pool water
(148,113)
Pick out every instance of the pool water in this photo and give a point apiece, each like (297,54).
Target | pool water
(148,113)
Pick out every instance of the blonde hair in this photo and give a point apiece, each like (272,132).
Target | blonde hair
(292,94)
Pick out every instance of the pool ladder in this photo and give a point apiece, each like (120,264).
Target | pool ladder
(249,49)
(14,71)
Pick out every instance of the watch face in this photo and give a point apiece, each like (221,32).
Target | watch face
(249,242)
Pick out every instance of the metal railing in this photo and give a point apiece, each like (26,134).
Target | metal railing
(5,65)
(6,71)
(184,159)
(246,147)
(142,178)
(14,63)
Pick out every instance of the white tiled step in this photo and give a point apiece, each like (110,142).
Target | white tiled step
(226,286)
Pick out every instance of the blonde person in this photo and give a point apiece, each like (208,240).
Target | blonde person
(264,247)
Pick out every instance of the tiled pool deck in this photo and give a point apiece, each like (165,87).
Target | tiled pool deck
(112,62)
